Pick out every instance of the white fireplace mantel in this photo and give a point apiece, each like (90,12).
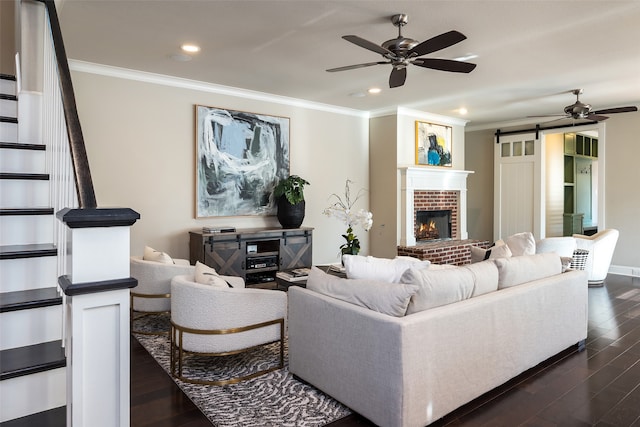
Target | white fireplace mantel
(427,178)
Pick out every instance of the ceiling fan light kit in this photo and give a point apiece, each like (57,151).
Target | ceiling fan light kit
(401,52)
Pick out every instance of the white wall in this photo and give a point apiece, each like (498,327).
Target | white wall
(383,182)
(140,140)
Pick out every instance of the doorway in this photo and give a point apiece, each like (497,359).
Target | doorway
(572,181)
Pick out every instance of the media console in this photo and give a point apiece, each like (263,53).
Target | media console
(255,254)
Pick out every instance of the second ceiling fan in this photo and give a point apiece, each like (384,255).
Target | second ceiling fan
(581,111)
(403,51)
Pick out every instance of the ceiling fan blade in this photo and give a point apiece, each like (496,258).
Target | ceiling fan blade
(552,115)
(368,45)
(398,77)
(353,67)
(616,110)
(445,65)
(596,117)
(437,43)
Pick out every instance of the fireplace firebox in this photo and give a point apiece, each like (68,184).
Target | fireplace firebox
(433,225)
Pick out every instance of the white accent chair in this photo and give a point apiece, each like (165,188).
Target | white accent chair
(600,246)
(218,321)
(153,293)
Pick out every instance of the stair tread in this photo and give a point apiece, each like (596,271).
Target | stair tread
(23,146)
(7,77)
(35,176)
(56,417)
(28,251)
(32,298)
(26,211)
(32,359)
(6,119)
(8,97)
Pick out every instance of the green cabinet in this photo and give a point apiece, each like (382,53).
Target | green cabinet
(579,151)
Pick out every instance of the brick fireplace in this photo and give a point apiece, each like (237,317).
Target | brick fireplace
(434,200)
(431,189)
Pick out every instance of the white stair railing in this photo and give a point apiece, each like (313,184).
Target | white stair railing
(62,188)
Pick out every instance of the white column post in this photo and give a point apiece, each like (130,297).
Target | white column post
(97,287)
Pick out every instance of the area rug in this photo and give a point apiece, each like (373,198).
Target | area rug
(273,399)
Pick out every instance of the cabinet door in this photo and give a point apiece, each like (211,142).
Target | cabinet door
(226,257)
(295,251)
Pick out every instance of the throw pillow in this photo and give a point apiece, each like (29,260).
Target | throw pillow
(206,275)
(521,244)
(499,251)
(518,270)
(387,298)
(151,254)
(438,287)
(563,246)
(384,269)
(485,277)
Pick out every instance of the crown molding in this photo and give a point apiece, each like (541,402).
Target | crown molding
(165,80)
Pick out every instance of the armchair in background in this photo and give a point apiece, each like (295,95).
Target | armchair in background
(600,246)
(153,293)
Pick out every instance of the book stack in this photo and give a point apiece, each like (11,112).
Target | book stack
(221,229)
(295,275)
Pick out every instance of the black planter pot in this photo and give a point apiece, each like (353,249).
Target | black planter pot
(290,216)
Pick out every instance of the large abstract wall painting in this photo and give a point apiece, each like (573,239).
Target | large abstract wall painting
(240,157)
(433,144)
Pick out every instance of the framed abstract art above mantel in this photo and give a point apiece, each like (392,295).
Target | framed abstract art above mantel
(433,144)
(240,157)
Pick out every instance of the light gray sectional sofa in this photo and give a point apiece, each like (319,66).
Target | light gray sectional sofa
(411,370)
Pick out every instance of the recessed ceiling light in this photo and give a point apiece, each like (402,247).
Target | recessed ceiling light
(374,90)
(462,111)
(191,48)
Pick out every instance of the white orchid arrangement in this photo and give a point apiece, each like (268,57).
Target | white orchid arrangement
(343,210)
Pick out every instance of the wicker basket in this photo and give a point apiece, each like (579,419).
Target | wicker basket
(579,260)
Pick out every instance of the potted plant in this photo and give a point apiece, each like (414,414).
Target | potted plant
(289,194)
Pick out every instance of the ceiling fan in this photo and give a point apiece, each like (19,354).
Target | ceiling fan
(579,110)
(402,51)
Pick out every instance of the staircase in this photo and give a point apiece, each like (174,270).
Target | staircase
(32,358)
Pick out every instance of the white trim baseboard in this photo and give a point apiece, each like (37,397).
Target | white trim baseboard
(624,270)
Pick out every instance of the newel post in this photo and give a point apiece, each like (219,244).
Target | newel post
(96,285)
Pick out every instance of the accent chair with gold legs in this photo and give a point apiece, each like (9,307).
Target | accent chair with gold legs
(153,293)
(219,321)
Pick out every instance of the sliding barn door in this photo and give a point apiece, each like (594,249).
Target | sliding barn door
(518,189)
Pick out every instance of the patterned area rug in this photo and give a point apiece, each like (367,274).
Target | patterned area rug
(273,399)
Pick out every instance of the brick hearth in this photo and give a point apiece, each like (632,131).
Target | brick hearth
(433,200)
(455,252)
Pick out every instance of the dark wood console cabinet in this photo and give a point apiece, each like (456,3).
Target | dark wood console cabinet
(255,254)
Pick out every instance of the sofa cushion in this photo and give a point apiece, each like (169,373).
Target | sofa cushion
(383,297)
(485,277)
(206,275)
(498,251)
(151,254)
(521,244)
(438,287)
(518,270)
(384,269)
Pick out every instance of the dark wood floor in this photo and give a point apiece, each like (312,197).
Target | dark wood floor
(599,386)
